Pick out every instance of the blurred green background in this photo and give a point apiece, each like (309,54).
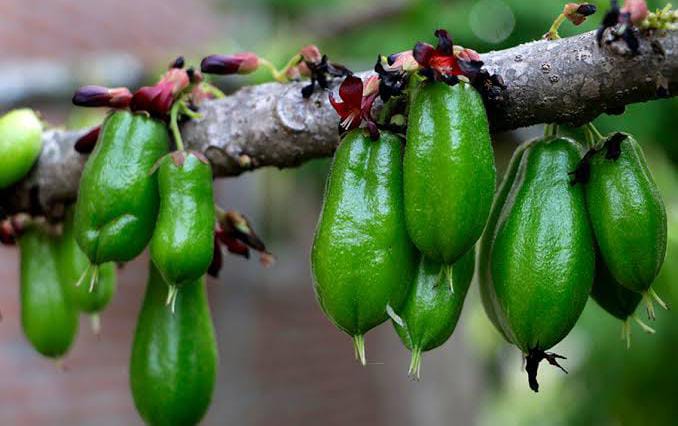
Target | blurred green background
(607,384)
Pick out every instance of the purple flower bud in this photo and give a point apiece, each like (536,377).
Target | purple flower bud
(100,96)
(239,63)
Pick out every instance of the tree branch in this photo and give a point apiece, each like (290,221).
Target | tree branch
(568,81)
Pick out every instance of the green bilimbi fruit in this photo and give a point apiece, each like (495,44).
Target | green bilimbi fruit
(49,320)
(20,144)
(627,215)
(362,259)
(118,199)
(542,258)
(487,294)
(73,263)
(433,304)
(448,172)
(183,241)
(617,300)
(174,355)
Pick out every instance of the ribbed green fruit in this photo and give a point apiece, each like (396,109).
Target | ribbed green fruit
(77,275)
(174,355)
(627,214)
(487,294)
(118,199)
(183,240)
(542,258)
(433,304)
(617,300)
(48,319)
(448,171)
(362,258)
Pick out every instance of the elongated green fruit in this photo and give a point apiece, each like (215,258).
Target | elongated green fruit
(20,144)
(183,240)
(433,304)
(49,321)
(174,355)
(362,259)
(76,275)
(118,198)
(449,173)
(542,258)
(487,294)
(617,300)
(627,213)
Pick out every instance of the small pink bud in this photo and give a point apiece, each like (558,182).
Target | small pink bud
(156,100)
(178,78)
(311,54)
(100,96)
(577,13)
(403,61)
(637,9)
(239,63)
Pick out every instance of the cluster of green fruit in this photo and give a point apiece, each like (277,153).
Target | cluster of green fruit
(396,236)
(132,192)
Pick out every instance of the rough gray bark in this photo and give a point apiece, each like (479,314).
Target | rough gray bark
(568,81)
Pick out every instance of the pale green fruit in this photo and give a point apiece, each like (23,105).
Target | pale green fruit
(20,144)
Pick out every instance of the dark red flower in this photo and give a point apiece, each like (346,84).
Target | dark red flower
(356,106)
(636,9)
(321,71)
(403,61)
(234,231)
(100,96)
(156,100)
(440,62)
(239,63)
(86,143)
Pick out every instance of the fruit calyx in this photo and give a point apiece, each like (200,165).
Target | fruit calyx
(532,360)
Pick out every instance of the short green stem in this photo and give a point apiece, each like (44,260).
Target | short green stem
(212,90)
(280,75)
(174,125)
(359,348)
(650,297)
(95,322)
(415,364)
(552,34)
(95,278)
(626,332)
(593,136)
(172,293)
(646,328)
